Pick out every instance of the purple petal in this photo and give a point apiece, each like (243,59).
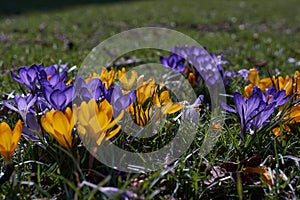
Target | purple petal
(116,94)
(32,122)
(29,133)
(227,108)
(21,103)
(54,79)
(58,100)
(164,61)
(51,70)
(239,103)
(252,104)
(15,77)
(5,103)
(32,100)
(68,92)
(199,99)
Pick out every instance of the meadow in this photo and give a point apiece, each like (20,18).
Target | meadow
(256,155)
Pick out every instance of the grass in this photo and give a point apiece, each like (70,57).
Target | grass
(262,30)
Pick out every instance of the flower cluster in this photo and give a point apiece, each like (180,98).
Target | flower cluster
(255,111)
(56,104)
(291,86)
(197,64)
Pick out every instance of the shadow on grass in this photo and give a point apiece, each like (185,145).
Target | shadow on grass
(16,7)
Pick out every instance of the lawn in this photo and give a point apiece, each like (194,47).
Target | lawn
(262,34)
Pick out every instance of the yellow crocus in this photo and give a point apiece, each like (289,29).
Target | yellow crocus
(165,102)
(9,139)
(145,90)
(141,115)
(283,83)
(126,81)
(108,76)
(147,94)
(95,121)
(253,77)
(60,126)
(296,84)
(294,114)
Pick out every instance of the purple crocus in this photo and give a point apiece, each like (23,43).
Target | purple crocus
(23,105)
(255,111)
(192,111)
(58,98)
(207,65)
(93,89)
(50,77)
(243,73)
(277,96)
(28,76)
(31,128)
(118,100)
(175,62)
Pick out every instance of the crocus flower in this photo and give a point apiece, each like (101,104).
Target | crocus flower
(142,114)
(95,121)
(243,73)
(294,114)
(28,76)
(90,88)
(32,127)
(58,98)
(118,100)
(149,94)
(166,104)
(254,80)
(126,81)
(108,77)
(278,96)
(23,105)
(174,62)
(141,110)
(192,111)
(296,84)
(207,65)
(52,79)
(9,139)
(60,126)
(255,111)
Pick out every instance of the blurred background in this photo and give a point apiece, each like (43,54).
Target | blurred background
(246,32)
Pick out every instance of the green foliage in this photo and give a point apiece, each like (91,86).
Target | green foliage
(262,30)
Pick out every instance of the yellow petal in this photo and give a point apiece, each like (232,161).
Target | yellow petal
(81,129)
(16,134)
(47,125)
(172,108)
(101,137)
(102,120)
(60,123)
(248,90)
(83,114)
(9,139)
(94,126)
(114,122)
(113,133)
(5,135)
(253,76)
